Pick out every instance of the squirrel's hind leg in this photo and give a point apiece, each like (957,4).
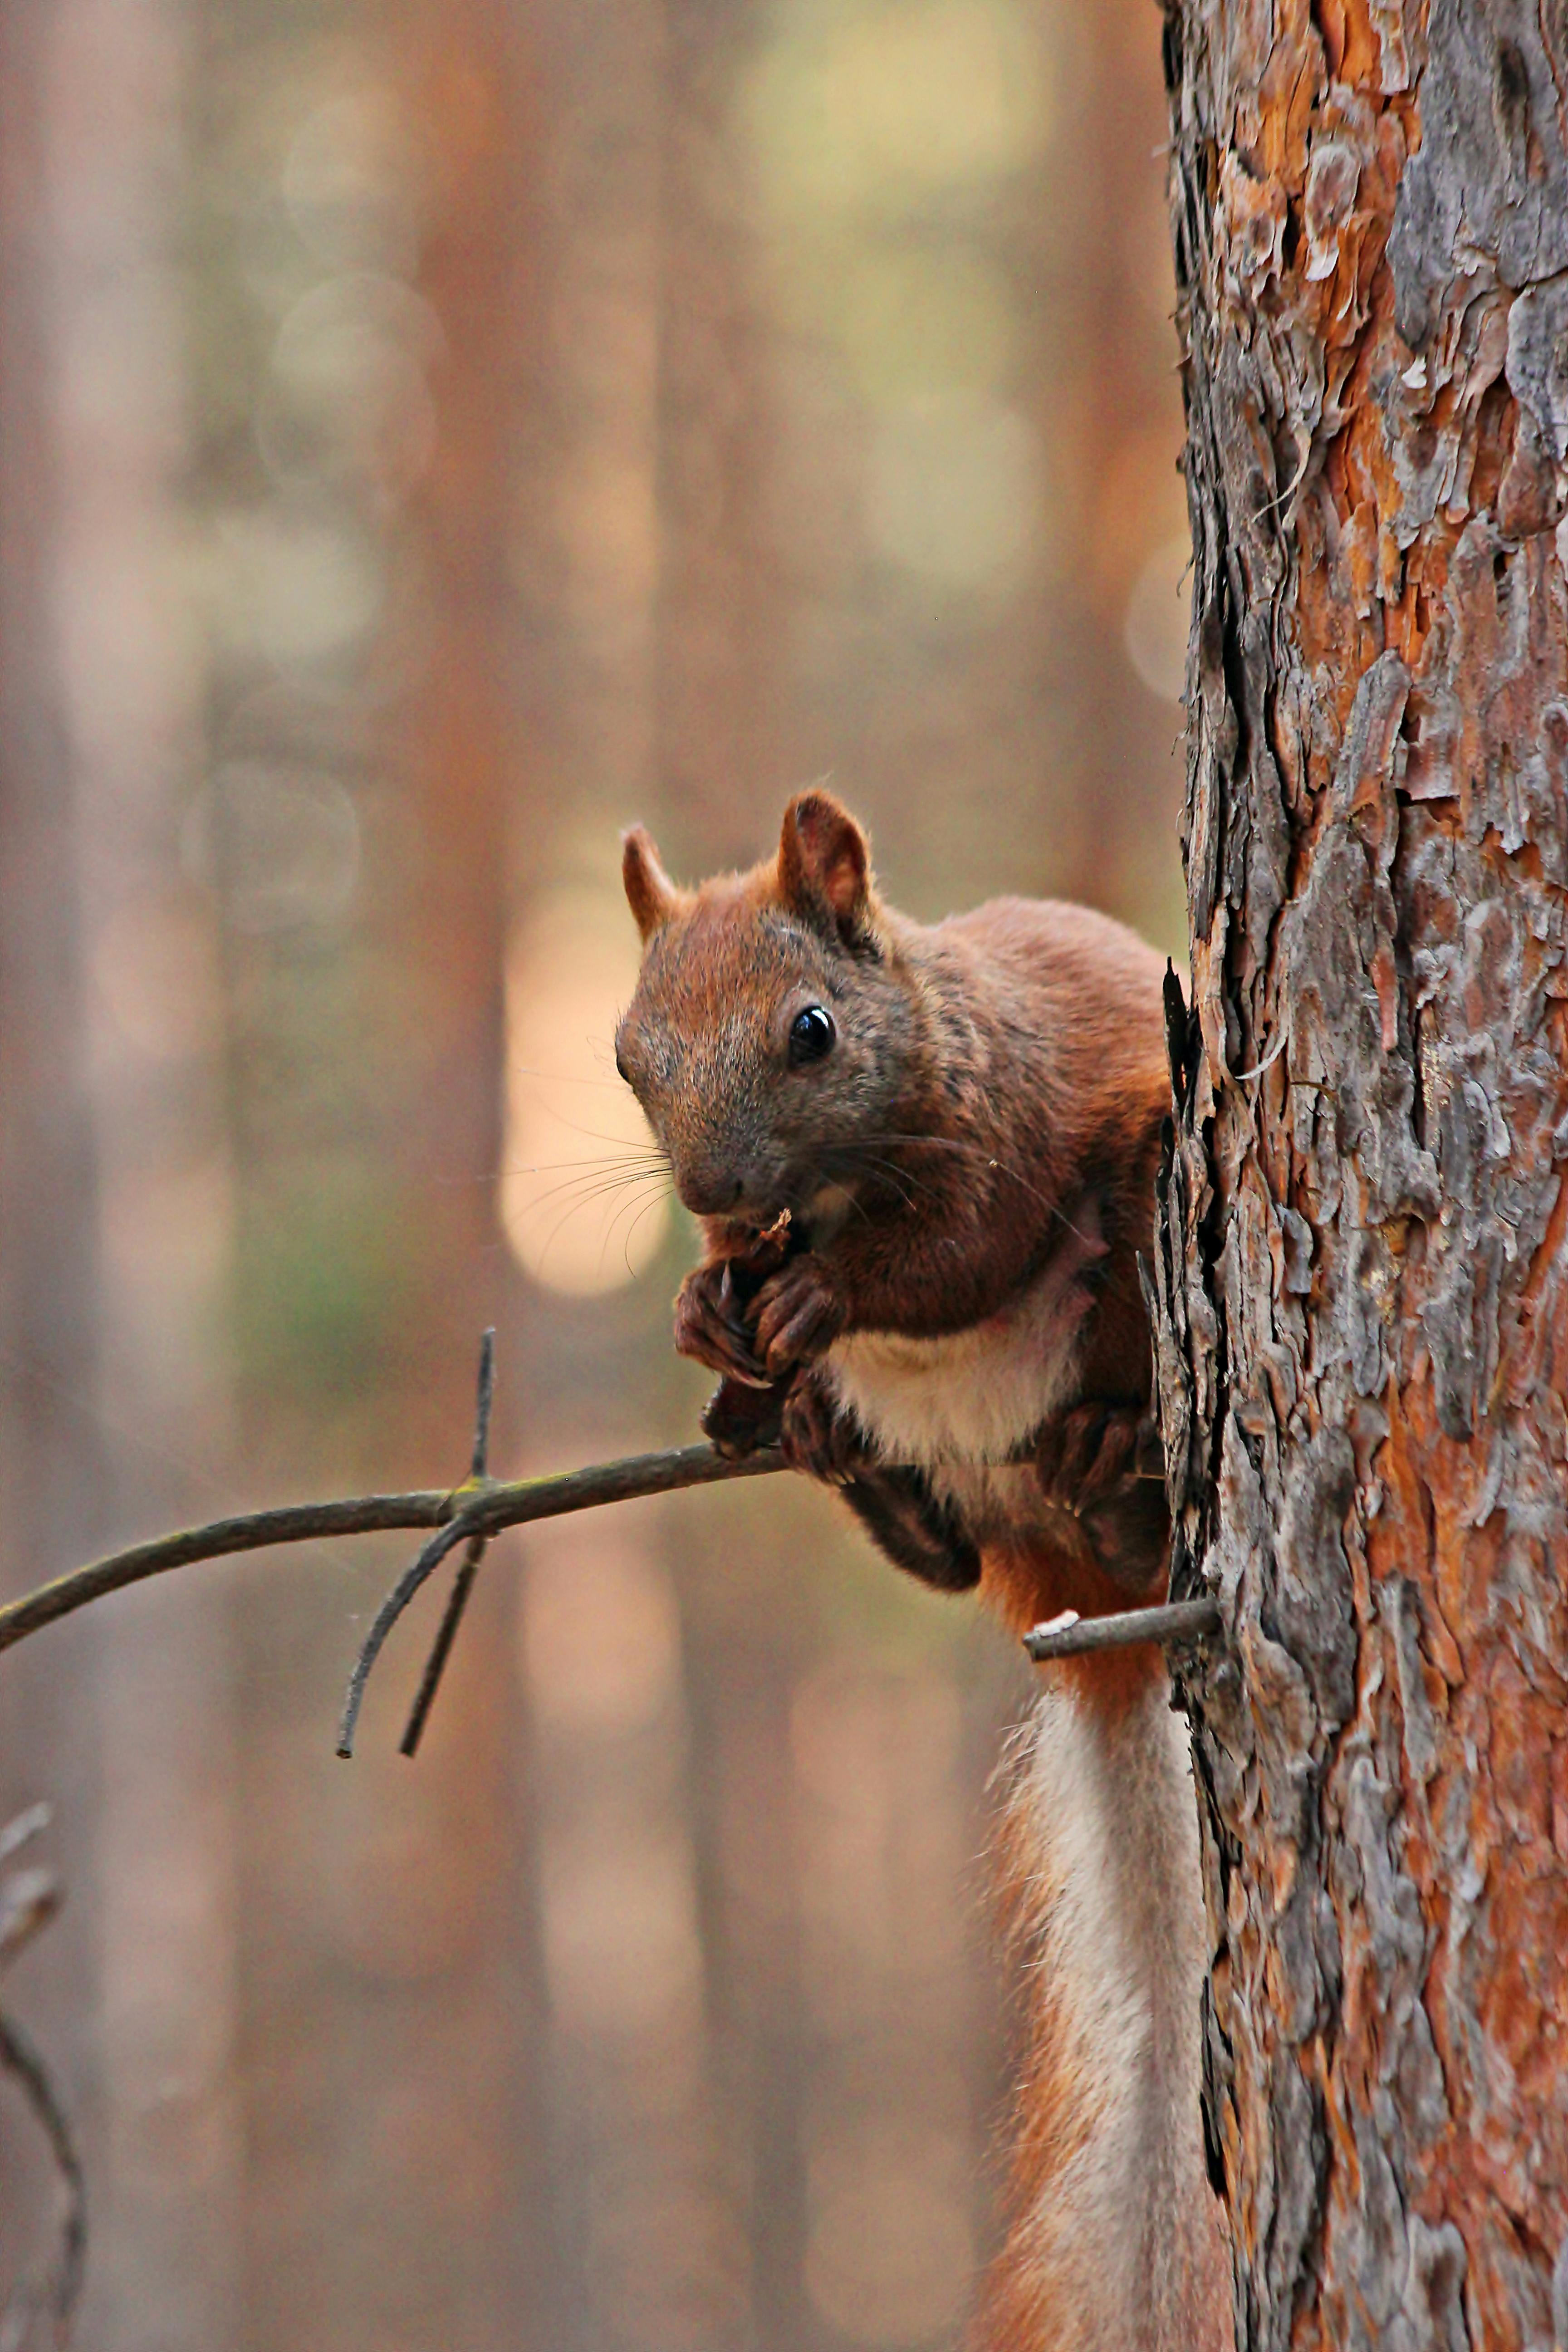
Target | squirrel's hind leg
(905,1519)
(894,1505)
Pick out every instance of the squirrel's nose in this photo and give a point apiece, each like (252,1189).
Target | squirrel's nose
(708,1191)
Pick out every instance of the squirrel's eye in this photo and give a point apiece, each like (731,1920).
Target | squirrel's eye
(811,1035)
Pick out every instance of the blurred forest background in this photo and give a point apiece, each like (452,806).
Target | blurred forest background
(433,434)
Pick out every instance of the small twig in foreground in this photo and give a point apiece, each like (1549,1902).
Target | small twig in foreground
(19,1832)
(441,1647)
(463,1584)
(488,1509)
(28,1901)
(1171,1621)
(56,2295)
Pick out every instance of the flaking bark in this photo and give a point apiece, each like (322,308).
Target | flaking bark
(1362,1284)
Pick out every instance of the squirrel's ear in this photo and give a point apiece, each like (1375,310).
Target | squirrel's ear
(651,894)
(824,862)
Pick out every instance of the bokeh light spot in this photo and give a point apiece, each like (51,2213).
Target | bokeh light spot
(898,102)
(1155,631)
(583,1200)
(889,2255)
(346,183)
(953,489)
(924,320)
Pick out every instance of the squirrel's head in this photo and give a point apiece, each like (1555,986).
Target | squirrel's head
(767,1037)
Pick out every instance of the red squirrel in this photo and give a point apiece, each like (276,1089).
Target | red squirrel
(924,1158)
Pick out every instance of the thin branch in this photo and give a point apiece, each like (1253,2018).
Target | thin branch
(480,1465)
(441,1647)
(1173,1621)
(250,1531)
(497,1505)
(486,1509)
(391,1610)
(56,2295)
(21,1832)
(463,1584)
(28,1901)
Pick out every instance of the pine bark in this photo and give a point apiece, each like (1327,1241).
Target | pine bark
(1363,1289)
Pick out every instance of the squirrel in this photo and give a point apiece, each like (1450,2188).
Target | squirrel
(924,1158)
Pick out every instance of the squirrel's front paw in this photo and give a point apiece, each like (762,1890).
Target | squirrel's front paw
(819,1437)
(709,1325)
(1102,1461)
(798,1315)
(1088,1452)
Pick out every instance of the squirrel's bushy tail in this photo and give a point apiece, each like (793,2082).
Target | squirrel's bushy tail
(1116,2242)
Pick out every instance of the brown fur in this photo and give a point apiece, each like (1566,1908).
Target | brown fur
(978,1146)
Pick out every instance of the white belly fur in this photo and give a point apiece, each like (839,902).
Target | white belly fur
(972,1396)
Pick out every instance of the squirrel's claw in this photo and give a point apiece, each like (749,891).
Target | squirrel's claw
(798,1315)
(706,1330)
(1068,1451)
(1092,1461)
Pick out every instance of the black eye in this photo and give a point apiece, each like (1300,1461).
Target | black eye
(621,1067)
(811,1035)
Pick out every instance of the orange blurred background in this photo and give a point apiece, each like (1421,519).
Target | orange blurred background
(430,438)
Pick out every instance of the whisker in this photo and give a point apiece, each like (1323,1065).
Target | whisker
(659,1178)
(579,1196)
(631,1229)
(586,1170)
(589,1171)
(558,1227)
(630,1159)
(861,1145)
(953,1143)
(628,1207)
(564,1219)
(893,1175)
(858,1154)
(593,1134)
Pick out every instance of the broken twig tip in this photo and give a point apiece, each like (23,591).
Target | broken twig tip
(1072,1636)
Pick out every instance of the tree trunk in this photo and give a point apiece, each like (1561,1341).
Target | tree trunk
(1362,1287)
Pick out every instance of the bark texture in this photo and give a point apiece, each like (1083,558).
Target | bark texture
(1361,1285)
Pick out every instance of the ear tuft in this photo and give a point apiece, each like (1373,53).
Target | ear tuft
(651,894)
(825,863)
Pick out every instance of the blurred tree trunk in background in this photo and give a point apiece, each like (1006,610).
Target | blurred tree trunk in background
(114,1208)
(1364,1333)
(720,612)
(453,746)
(417,2090)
